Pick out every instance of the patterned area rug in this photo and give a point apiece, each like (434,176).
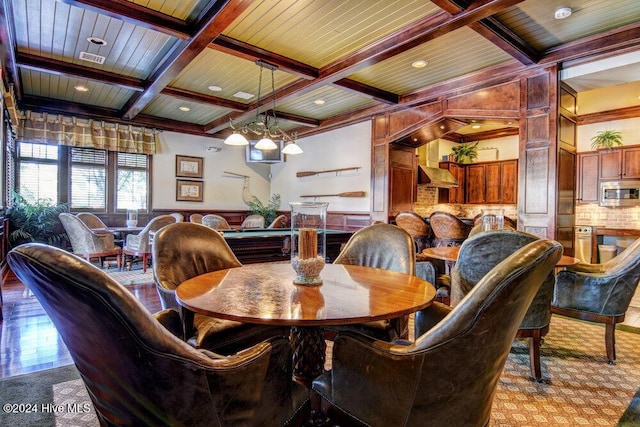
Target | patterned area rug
(581,389)
(135,276)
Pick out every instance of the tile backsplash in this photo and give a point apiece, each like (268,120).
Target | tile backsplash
(598,216)
(427,203)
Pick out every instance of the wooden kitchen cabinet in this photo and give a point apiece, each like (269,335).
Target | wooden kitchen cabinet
(403,165)
(453,195)
(588,177)
(620,163)
(486,182)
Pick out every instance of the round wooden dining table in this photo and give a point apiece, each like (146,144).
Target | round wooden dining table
(265,294)
(451,254)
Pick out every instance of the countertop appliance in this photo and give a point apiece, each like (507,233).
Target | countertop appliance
(582,244)
(620,193)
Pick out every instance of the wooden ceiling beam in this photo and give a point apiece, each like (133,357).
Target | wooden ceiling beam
(184,52)
(205,99)
(138,15)
(54,66)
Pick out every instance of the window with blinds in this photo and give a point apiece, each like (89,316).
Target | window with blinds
(132,171)
(38,172)
(88,179)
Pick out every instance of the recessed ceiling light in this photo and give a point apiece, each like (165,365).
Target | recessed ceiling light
(81,88)
(183,108)
(319,102)
(476,127)
(97,41)
(563,12)
(214,88)
(419,64)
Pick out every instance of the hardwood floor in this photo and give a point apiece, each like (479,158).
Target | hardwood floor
(29,342)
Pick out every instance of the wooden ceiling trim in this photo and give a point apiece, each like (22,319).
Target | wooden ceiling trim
(137,15)
(54,66)
(252,53)
(599,44)
(205,99)
(494,31)
(609,115)
(184,53)
(370,91)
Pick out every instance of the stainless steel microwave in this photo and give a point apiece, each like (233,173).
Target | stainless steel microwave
(620,193)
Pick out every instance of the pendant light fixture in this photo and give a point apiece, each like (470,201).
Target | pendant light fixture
(265,126)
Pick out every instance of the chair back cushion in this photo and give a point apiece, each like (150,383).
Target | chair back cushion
(216,222)
(381,246)
(185,250)
(91,220)
(253,221)
(481,253)
(447,226)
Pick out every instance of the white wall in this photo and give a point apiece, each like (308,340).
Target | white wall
(345,147)
(341,148)
(628,127)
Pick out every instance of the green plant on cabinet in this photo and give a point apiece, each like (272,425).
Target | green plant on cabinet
(606,139)
(269,211)
(465,153)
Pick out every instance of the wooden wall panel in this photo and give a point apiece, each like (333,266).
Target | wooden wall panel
(379,178)
(501,100)
(538,95)
(536,182)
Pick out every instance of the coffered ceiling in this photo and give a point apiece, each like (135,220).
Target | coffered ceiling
(339,61)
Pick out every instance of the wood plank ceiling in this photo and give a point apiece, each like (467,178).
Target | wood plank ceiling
(354,55)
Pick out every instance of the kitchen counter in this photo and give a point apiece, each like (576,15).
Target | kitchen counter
(600,232)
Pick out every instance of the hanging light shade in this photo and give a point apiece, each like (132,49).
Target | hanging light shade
(265,126)
(292,148)
(236,139)
(266,144)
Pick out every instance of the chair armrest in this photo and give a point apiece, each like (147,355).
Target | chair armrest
(593,292)
(429,317)
(170,319)
(586,268)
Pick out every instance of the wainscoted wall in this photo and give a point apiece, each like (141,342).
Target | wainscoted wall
(598,216)
(427,202)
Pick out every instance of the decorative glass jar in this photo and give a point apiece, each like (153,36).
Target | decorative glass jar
(132,218)
(492,219)
(308,241)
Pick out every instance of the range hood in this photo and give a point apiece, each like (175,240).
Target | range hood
(436,177)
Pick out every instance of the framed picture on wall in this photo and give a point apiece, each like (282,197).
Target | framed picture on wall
(189,191)
(189,167)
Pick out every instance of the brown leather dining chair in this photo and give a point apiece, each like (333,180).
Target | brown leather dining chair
(449,375)
(137,372)
(383,246)
(184,250)
(478,255)
(599,293)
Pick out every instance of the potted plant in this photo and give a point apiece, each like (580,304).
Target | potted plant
(465,153)
(606,139)
(269,212)
(35,222)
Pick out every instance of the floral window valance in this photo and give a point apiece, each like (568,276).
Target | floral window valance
(83,133)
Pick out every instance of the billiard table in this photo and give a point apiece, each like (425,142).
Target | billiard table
(269,245)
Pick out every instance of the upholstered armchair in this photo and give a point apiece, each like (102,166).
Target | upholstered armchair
(137,245)
(417,227)
(599,293)
(216,222)
(449,375)
(178,216)
(185,250)
(383,246)
(478,255)
(136,371)
(252,221)
(87,243)
(279,222)
(92,220)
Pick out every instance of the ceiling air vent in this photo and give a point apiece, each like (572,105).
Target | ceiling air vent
(86,56)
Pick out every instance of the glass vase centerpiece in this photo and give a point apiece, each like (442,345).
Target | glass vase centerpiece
(492,219)
(132,218)
(308,241)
